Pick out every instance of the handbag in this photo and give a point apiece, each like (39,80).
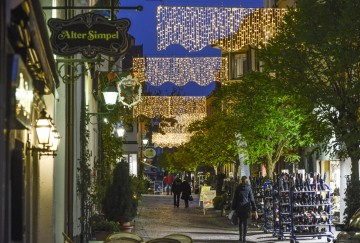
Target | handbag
(191,198)
(233,217)
(255,215)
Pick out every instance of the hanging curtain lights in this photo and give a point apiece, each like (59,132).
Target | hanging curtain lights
(183,122)
(181,70)
(152,106)
(170,139)
(196,27)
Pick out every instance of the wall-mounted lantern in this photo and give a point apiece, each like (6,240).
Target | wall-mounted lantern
(47,135)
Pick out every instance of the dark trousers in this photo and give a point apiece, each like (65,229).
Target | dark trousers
(243,225)
(186,202)
(176,199)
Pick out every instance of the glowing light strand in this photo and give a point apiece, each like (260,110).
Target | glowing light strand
(180,71)
(170,139)
(168,106)
(196,27)
(183,122)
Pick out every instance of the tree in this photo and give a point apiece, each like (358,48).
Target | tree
(119,203)
(269,124)
(315,58)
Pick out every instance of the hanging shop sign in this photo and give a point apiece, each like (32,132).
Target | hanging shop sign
(150,153)
(89,34)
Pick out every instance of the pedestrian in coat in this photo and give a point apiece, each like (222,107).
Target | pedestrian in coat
(186,192)
(176,189)
(242,203)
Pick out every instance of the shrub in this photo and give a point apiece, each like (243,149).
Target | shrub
(120,203)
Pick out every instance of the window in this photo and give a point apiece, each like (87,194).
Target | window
(239,65)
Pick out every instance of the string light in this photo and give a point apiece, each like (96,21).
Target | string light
(180,71)
(182,124)
(170,139)
(230,28)
(169,106)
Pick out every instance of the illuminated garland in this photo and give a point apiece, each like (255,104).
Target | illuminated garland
(196,27)
(152,106)
(183,122)
(180,71)
(170,139)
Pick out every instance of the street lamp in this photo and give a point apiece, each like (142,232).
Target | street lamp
(145,141)
(119,129)
(110,94)
(47,135)
(43,128)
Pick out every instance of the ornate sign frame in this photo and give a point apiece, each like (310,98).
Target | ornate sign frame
(89,34)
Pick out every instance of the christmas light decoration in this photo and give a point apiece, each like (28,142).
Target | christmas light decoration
(183,122)
(170,139)
(129,90)
(230,28)
(181,70)
(168,106)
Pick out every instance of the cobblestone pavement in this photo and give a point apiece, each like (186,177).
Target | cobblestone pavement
(158,217)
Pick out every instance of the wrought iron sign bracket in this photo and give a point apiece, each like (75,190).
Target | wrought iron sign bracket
(77,66)
(111,8)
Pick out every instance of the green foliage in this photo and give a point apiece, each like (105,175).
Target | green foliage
(84,183)
(109,226)
(120,203)
(266,122)
(219,201)
(352,199)
(315,58)
(138,186)
(110,150)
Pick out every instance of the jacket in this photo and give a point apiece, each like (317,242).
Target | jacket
(176,186)
(243,199)
(186,190)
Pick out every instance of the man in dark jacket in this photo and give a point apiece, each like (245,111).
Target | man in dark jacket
(186,192)
(243,202)
(176,190)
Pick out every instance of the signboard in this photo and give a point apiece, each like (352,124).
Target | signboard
(158,187)
(203,189)
(208,199)
(89,34)
(149,153)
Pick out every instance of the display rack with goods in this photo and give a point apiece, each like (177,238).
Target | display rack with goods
(257,185)
(310,208)
(284,182)
(268,207)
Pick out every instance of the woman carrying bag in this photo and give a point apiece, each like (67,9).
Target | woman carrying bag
(243,202)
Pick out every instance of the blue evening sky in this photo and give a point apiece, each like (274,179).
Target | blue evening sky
(143,28)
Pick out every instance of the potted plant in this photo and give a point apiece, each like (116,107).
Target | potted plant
(102,228)
(120,202)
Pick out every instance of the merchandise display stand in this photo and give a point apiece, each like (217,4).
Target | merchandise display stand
(310,209)
(276,215)
(258,191)
(268,207)
(284,206)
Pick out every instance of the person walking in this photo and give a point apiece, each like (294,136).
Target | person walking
(186,192)
(242,203)
(176,189)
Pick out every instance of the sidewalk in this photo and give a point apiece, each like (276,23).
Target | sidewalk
(158,217)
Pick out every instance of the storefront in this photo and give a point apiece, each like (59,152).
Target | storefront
(30,95)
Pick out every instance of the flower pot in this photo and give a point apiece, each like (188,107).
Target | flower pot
(126,227)
(102,235)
